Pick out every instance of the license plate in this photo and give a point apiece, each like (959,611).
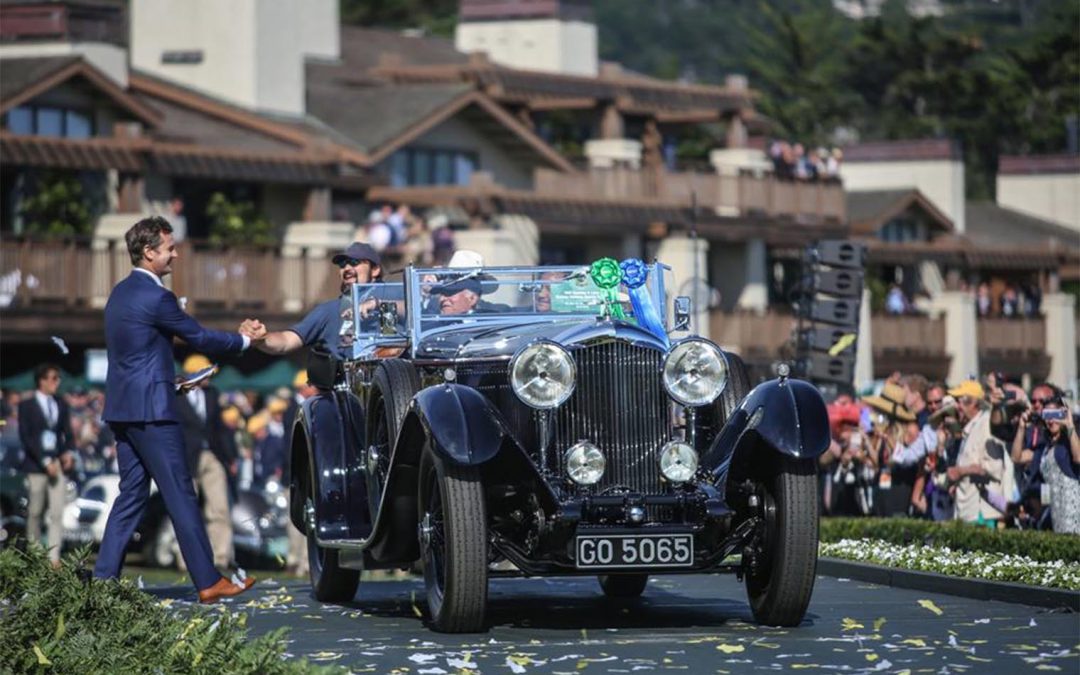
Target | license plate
(614,551)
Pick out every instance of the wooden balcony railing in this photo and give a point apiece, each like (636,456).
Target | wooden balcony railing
(753,335)
(77,273)
(911,334)
(735,194)
(1011,335)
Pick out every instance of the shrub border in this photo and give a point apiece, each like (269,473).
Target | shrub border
(965,587)
(1040,546)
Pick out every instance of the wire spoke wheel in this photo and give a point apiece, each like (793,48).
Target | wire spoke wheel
(453,541)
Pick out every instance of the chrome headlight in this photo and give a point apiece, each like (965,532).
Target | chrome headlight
(585,463)
(542,375)
(678,462)
(695,372)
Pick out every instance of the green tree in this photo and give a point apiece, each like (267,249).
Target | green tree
(795,62)
(435,16)
(234,223)
(58,206)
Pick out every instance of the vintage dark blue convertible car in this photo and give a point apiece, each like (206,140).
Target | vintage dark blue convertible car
(555,422)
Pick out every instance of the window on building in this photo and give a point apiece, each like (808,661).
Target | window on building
(432,166)
(900,230)
(43,120)
(20,120)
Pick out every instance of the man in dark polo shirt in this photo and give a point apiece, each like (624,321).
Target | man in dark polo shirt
(322,327)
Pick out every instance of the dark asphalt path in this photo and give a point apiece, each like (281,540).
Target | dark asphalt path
(691,624)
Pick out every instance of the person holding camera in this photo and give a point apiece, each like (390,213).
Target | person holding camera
(1028,445)
(983,474)
(894,430)
(933,495)
(1061,466)
(843,464)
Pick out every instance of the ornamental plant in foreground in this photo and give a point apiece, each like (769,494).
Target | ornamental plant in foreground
(944,560)
(62,621)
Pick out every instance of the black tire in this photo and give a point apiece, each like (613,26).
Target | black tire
(780,584)
(329,581)
(737,388)
(395,384)
(453,544)
(623,585)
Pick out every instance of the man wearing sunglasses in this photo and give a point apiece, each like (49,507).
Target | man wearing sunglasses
(324,325)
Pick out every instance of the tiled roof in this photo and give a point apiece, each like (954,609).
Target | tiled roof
(869,210)
(16,75)
(372,116)
(988,223)
(898,151)
(1038,164)
(64,153)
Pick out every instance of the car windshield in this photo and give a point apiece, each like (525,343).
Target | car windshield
(446,296)
(381,311)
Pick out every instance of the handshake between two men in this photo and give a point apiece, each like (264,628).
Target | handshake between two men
(254,329)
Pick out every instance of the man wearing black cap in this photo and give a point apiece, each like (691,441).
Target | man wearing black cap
(459,296)
(322,327)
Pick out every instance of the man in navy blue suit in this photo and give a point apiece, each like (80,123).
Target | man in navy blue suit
(141,319)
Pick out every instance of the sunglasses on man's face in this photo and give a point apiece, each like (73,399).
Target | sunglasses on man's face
(1043,401)
(350,262)
(934,401)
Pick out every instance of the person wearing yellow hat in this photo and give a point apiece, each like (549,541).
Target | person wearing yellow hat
(983,474)
(212,457)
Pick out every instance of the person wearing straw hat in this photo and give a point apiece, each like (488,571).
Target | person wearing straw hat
(892,488)
(983,474)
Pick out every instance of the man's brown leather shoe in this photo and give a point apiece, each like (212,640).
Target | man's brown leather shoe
(224,589)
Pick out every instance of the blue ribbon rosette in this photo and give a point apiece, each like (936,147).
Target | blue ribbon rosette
(635,273)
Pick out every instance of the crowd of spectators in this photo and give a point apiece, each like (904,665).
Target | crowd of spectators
(401,236)
(791,161)
(1013,301)
(255,424)
(985,452)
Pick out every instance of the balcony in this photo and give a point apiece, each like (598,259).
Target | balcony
(728,195)
(60,287)
(1015,347)
(909,344)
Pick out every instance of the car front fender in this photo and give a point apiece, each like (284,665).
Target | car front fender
(460,423)
(785,414)
(325,436)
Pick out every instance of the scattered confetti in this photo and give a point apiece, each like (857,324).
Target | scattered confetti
(61,345)
(929,604)
(851,624)
(730,649)
(41,658)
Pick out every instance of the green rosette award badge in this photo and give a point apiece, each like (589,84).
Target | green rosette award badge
(607,275)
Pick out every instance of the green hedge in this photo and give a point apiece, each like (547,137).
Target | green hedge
(62,622)
(1041,546)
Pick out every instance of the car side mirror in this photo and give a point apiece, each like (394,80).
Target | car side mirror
(682,312)
(388,318)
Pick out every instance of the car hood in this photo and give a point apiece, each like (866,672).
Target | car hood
(494,340)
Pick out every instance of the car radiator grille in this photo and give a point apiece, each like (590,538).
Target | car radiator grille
(619,405)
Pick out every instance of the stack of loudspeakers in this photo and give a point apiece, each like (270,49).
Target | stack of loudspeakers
(828,310)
